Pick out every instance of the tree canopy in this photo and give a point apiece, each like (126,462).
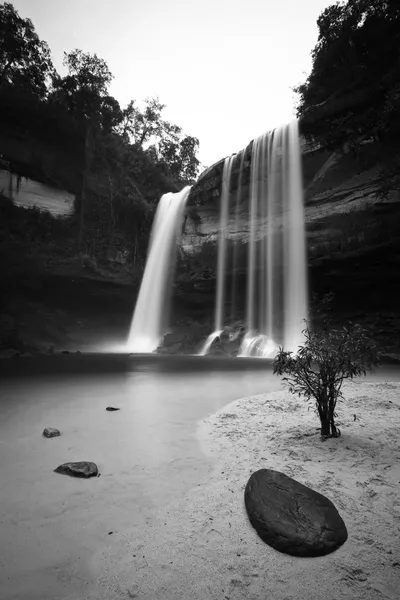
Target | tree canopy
(356,66)
(25,60)
(166,143)
(129,156)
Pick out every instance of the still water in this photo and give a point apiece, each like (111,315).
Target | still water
(147,454)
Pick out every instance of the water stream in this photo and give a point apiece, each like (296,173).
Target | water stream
(150,318)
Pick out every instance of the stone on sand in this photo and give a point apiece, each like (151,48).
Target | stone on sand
(291,517)
(50,432)
(78,469)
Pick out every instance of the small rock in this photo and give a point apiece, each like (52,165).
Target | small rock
(110,408)
(50,432)
(78,469)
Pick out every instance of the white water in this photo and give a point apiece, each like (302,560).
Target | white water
(277,280)
(276,295)
(209,341)
(221,264)
(222,257)
(258,345)
(239,198)
(150,318)
(296,290)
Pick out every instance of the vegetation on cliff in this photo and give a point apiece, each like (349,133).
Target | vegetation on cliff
(352,94)
(121,159)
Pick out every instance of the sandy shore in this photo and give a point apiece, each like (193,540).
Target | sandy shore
(203,547)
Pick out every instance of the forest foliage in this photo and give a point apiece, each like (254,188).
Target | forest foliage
(127,157)
(355,64)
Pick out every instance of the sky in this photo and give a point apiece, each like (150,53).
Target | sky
(225,69)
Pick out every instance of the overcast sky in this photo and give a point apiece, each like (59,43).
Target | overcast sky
(224,68)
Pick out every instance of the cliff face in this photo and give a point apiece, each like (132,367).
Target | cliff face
(41,159)
(353,236)
(334,183)
(27,193)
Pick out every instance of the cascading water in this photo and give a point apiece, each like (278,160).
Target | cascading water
(222,256)
(276,297)
(296,295)
(276,289)
(151,310)
(235,258)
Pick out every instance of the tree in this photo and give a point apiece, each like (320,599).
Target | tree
(25,60)
(189,146)
(355,74)
(116,203)
(327,358)
(179,157)
(147,123)
(88,70)
(84,90)
(164,141)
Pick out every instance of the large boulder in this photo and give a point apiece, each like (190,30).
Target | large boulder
(291,517)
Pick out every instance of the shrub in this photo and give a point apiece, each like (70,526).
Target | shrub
(327,358)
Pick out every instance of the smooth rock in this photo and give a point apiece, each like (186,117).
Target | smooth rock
(50,432)
(78,469)
(291,517)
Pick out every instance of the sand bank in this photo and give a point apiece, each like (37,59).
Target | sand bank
(203,546)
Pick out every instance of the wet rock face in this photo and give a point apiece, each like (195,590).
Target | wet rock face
(78,469)
(291,517)
(191,340)
(229,342)
(51,432)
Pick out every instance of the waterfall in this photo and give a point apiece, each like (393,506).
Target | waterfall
(150,318)
(296,293)
(235,257)
(222,256)
(276,285)
(277,290)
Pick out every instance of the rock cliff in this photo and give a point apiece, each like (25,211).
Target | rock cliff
(353,236)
